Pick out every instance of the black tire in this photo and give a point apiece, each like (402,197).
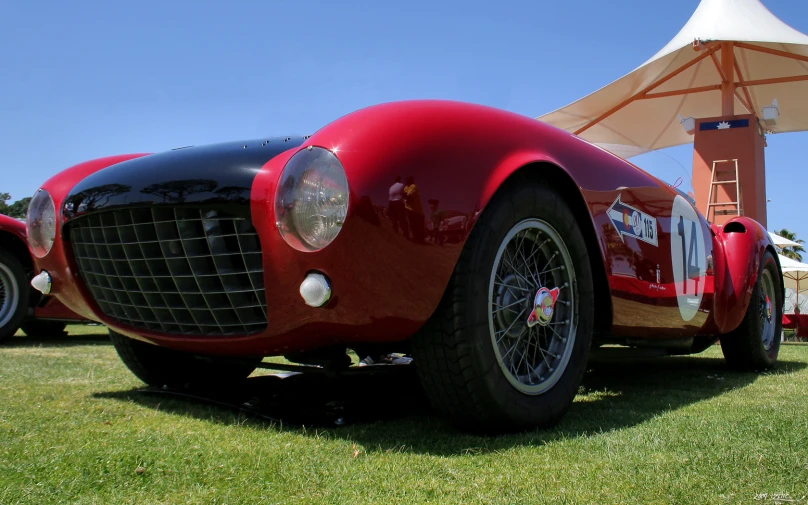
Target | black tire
(14,294)
(755,343)
(457,356)
(158,366)
(44,329)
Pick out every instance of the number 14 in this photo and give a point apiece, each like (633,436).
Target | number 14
(690,254)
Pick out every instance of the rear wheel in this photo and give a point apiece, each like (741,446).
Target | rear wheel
(507,348)
(44,329)
(755,343)
(14,291)
(158,366)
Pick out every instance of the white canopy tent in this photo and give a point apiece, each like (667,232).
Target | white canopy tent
(732,57)
(779,241)
(795,278)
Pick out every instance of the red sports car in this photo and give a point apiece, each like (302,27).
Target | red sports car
(21,307)
(306,246)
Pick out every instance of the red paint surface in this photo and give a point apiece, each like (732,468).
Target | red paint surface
(52,308)
(13,226)
(797,322)
(386,284)
(67,286)
(737,263)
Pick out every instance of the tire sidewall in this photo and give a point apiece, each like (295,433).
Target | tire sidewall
(537,202)
(16,273)
(768,263)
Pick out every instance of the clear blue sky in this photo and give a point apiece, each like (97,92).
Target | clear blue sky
(84,79)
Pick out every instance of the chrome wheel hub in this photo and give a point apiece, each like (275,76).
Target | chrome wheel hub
(531,314)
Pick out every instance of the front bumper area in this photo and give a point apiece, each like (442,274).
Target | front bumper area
(385,285)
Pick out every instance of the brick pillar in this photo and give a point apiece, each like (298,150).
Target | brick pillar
(743,141)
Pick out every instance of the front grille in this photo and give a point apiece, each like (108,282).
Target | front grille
(186,271)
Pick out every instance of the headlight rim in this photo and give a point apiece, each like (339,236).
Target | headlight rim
(34,232)
(286,198)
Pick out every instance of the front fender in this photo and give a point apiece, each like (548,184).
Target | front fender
(64,278)
(386,281)
(738,247)
(13,226)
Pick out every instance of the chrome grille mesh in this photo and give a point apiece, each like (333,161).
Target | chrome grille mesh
(179,270)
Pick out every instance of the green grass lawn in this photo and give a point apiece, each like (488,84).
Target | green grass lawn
(674,430)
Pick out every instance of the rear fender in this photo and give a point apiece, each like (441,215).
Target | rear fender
(738,248)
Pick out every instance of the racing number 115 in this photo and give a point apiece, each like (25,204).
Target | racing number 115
(650,228)
(690,254)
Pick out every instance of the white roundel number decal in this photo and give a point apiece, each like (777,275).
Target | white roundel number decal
(689,257)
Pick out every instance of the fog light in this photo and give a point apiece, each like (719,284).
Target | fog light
(42,282)
(315,290)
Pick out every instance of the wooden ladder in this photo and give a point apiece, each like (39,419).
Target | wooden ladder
(715,181)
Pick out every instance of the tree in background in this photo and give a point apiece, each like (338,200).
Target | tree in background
(793,252)
(16,209)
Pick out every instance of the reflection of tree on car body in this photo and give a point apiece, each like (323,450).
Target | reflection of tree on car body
(178,191)
(88,200)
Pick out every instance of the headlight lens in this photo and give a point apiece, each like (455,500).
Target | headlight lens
(41,222)
(311,202)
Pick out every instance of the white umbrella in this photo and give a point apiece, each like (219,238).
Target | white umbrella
(795,275)
(779,241)
(732,57)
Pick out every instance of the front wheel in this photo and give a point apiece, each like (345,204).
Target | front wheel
(507,348)
(158,366)
(755,343)
(13,294)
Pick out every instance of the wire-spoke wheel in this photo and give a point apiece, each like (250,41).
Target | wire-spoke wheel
(755,343)
(9,295)
(531,310)
(13,294)
(507,347)
(765,301)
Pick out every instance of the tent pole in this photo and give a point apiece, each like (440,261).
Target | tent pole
(645,91)
(741,84)
(774,80)
(775,52)
(728,84)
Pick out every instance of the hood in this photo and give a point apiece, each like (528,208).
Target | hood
(214,174)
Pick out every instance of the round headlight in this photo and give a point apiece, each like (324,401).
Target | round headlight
(41,223)
(311,202)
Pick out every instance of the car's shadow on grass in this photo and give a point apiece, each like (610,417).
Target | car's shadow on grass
(388,412)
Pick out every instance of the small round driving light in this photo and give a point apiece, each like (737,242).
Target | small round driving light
(311,202)
(315,290)
(41,223)
(42,282)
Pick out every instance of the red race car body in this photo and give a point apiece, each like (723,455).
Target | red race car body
(142,241)
(38,315)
